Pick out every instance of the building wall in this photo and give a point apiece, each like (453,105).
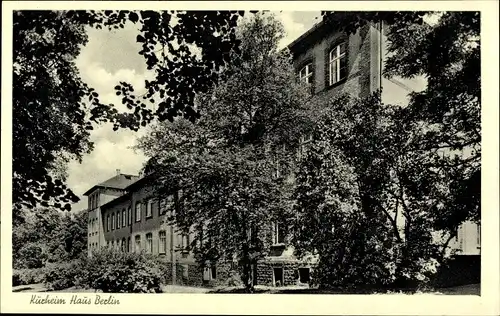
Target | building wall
(358,50)
(98,197)
(187,271)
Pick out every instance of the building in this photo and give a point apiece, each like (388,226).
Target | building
(126,213)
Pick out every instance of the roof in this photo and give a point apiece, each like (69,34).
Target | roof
(120,181)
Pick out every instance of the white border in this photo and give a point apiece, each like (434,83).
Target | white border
(487,304)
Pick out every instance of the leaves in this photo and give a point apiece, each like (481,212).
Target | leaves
(224,163)
(54,110)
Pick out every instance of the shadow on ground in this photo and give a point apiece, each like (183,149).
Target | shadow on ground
(471,289)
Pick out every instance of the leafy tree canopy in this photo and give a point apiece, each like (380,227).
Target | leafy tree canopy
(226,163)
(53,109)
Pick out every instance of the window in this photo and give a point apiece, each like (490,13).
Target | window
(118,220)
(149,208)
(214,272)
(108,223)
(278,233)
(138,212)
(185,242)
(124,245)
(306,74)
(149,242)
(137,243)
(113,221)
(304,275)
(129,210)
(337,64)
(162,246)
(124,219)
(129,245)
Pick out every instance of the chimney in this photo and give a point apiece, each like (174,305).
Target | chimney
(118,172)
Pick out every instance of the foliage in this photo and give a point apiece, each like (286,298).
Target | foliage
(61,275)
(413,173)
(365,177)
(27,276)
(447,54)
(119,272)
(224,164)
(53,109)
(49,236)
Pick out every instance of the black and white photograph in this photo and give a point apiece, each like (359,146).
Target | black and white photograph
(209,151)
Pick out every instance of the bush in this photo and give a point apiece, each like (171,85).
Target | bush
(27,276)
(30,256)
(60,276)
(117,272)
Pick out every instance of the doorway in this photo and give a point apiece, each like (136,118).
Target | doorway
(278,276)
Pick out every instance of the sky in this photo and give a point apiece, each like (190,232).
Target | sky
(110,57)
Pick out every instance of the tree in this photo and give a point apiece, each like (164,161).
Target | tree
(224,164)
(53,109)
(370,200)
(447,54)
(48,235)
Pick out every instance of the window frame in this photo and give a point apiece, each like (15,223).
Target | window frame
(149,208)
(277,235)
(185,241)
(137,243)
(337,59)
(129,215)
(149,242)
(124,245)
(309,73)
(124,218)
(138,211)
(162,242)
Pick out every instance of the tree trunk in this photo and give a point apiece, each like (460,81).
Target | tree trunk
(247,270)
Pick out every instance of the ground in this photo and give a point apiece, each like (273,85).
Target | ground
(471,289)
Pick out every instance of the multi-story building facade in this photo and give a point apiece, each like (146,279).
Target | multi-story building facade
(126,213)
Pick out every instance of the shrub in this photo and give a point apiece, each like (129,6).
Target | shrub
(27,276)
(60,276)
(117,272)
(30,256)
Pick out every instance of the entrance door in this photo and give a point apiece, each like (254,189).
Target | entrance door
(278,276)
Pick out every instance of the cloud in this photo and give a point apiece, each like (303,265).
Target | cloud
(293,29)
(296,23)
(97,64)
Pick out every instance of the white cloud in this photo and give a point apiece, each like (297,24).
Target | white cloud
(293,29)
(112,149)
